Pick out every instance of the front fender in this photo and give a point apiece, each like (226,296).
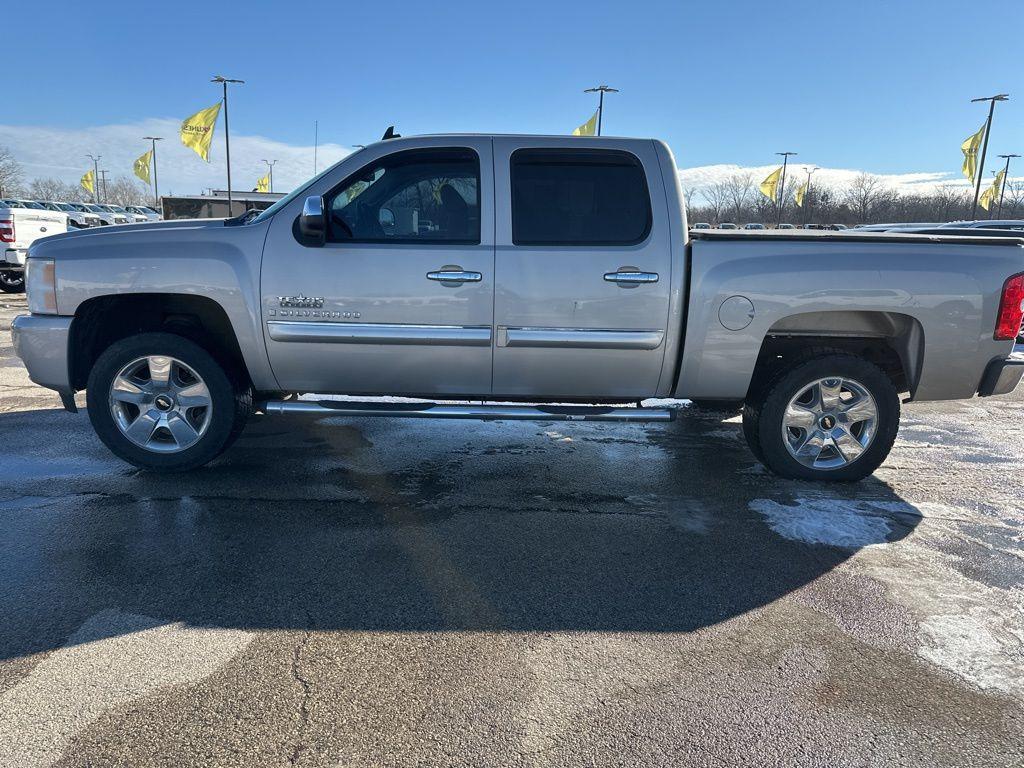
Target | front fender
(195,258)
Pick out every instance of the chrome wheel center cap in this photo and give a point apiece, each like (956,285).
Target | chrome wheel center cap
(163,402)
(827,422)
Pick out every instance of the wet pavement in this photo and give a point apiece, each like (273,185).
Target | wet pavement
(399,592)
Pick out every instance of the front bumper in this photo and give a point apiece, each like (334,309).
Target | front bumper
(13,259)
(41,341)
(1003,376)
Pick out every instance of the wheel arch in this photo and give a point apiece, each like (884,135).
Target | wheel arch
(894,341)
(103,320)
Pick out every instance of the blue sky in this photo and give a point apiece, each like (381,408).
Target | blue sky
(877,86)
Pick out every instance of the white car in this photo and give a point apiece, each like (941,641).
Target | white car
(143,210)
(20,226)
(754,225)
(122,216)
(76,219)
(106,216)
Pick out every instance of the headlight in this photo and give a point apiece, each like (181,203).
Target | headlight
(41,286)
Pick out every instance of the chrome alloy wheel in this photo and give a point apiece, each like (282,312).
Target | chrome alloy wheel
(160,404)
(830,423)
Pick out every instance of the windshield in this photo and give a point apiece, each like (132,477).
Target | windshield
(64,207)
(296,192)
(96,209)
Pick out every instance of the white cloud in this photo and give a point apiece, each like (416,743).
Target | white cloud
(61,153)
(918,182)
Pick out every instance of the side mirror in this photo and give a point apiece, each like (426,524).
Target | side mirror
(312,222)
(387,218)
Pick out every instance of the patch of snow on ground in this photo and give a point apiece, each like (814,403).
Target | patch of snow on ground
(837,522)
(978,646)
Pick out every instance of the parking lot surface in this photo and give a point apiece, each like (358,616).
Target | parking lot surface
(398,592)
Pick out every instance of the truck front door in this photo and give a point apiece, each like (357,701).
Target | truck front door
(583,270)
(399,300)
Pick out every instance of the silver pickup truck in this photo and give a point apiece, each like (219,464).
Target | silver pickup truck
(497,276)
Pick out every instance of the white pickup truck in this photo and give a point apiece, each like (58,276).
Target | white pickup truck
(513,275)
(19,228)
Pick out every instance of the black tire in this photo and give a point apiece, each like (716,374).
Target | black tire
(231,402)
(763,417)
(12,282)
(719,406)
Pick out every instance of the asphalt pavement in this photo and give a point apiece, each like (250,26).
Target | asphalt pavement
(386,592)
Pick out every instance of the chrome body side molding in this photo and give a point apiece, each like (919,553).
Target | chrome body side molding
(580,338)
(380,333)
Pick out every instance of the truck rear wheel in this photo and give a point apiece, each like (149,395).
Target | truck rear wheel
(162,402)
(833,417)
(12,282)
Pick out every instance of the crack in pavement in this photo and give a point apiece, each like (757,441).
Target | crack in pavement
(306,687)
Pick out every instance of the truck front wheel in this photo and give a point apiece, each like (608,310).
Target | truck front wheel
(833,417)
(162,402)
(11,281)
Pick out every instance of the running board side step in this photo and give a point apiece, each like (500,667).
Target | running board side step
(484,412)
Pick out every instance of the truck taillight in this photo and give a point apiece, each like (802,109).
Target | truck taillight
(1011,309)
(6,230)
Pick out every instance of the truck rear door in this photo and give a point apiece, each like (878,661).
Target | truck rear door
(582,269)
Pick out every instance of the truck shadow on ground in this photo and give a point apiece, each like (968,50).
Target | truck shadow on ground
(405,526)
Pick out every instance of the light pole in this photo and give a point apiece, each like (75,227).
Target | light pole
(602,90)
(1006,176)
(984,145)
(103,174)
(270,164)
(156,187)
(95,177)
(316,143)
(782,186)
(807,194)
(227,140)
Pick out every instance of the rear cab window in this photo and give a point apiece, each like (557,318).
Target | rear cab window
(584,197)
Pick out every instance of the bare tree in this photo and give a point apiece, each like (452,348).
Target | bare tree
(739,189)
(863,195)
(717,197)
(126,191)
(11,177)
(47,189)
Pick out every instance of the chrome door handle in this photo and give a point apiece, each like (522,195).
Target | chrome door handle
(455,276)
(631,277)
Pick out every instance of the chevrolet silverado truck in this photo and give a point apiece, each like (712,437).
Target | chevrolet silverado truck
(514,277)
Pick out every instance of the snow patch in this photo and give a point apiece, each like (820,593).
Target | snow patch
(978,646)
(836,522)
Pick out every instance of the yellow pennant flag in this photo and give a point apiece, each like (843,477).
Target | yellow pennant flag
(991,194)
(88,182)
(769,187)
(589,128)
(801,191)
(970,149)
(197,131)
(263,184)
(141,166)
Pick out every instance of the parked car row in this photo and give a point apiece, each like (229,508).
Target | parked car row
(84,215)
(756,225)
(22,222)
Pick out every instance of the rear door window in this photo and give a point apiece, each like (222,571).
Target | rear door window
(579,197)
